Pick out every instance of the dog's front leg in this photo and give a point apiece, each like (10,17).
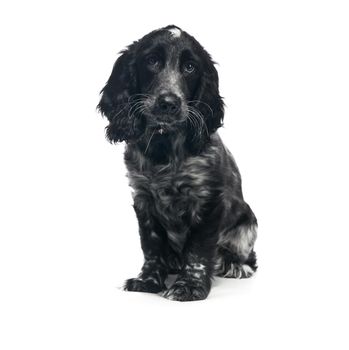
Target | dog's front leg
(153,274)
(150,280)
(194,280)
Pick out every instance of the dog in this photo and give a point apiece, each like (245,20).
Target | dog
(162,98)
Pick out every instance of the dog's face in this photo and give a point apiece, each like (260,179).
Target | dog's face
(164,82)
(169,73)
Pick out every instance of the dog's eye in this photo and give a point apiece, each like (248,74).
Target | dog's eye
(152,61)
(189,67)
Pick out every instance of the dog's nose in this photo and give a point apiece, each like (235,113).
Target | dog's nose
(169,103)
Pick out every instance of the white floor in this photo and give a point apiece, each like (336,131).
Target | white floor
(69,297)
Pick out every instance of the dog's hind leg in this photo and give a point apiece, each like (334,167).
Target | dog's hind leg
(235,255)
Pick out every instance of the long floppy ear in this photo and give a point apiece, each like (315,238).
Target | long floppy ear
(114,103)
(210,105)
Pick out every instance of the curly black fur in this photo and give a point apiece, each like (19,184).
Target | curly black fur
(162,98)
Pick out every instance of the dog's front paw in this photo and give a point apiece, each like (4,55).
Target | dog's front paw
(147,285)
(186,291)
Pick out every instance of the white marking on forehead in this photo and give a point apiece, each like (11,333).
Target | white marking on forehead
(175,32)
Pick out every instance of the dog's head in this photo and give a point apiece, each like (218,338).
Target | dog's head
(164,82)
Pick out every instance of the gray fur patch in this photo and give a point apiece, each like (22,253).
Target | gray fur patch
(240,241)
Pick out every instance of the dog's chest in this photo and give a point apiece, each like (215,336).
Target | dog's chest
(175,194)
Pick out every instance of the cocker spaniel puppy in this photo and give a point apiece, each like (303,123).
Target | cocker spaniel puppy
(162,99)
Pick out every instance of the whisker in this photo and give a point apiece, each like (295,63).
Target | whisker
(121,110)
(199,117)
(204,103)
(137,109)
(149,141)
(190,120)
(141,97)
(195,121)
(134,107)
(133,102)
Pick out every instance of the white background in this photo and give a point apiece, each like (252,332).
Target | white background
(68,232)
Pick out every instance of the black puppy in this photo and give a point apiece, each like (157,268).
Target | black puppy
(162,98)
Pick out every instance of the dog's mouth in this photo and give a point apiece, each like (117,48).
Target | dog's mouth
(162,125)
(161,129)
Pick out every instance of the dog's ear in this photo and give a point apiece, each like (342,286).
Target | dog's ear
(210,102)
(114,103)
(210,105)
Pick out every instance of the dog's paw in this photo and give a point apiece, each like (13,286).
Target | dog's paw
(186,291)
(147,285)
(239,271)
